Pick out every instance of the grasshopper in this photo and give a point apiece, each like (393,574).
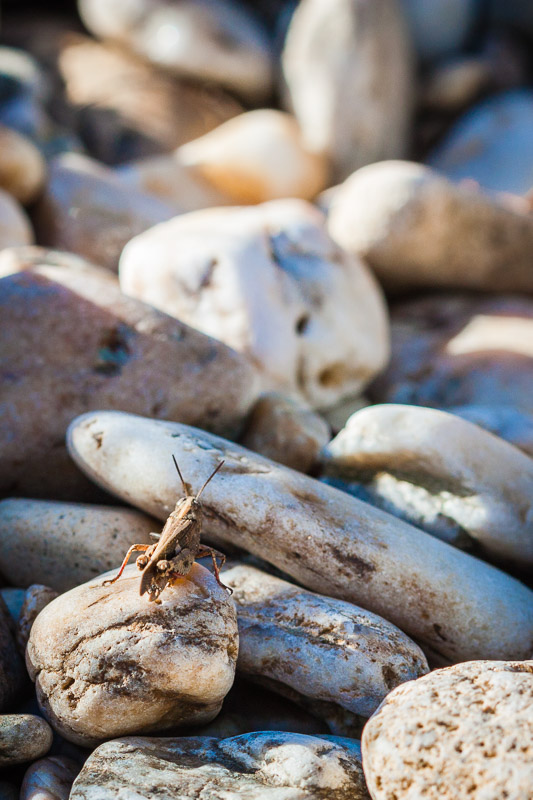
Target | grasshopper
(176,548)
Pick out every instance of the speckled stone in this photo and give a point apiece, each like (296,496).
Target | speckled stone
(36,598)
(107,662)
(464,731)
(331,656)
(258,766)
(23,737)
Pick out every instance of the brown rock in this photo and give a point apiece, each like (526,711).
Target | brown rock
(86,209)
(22,167)
(23,737)
(89,346)
(286,431)
(35,599)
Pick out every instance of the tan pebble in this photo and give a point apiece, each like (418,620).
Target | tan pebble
(319,651)
(256,157)
(464,731)
(107,662)
(22,167)
(15,226)
(66,543)
(23,737)
(286,431)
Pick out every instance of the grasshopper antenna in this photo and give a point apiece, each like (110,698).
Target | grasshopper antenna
(207,481)
(181,476)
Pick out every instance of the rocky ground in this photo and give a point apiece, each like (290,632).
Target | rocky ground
(291,241)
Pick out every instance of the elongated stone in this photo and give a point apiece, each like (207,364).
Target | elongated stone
(319,651)
(256,766)
(330,542)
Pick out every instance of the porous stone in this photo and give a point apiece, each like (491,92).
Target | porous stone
(12,674)
(86,209)
(508,422)
(286,431)
(353,105)
(221,43)
(22,167)
(417,229)
(267,766)
(49,779)
(256,157)
(456,462)
(328,541)
(316,650)
(269,282)
(107,662)
(23,737)
(459,349)
(125,108)
(464,731)
(36,598)
(89,346)
(66,544)
(491,144)
(15,227)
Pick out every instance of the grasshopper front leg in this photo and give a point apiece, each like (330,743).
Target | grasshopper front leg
(141,547)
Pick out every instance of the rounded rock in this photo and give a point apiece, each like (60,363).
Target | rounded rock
(459,464)
(285,431)
(417,229)
(15,227)
(353,105)
(463,731)
(23,737)
(256,157)
(66,544)
(220,43)
(86,209)
(267,764)
(107,662)
(270,282)
(22,167)
(49,779)
(508,422)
